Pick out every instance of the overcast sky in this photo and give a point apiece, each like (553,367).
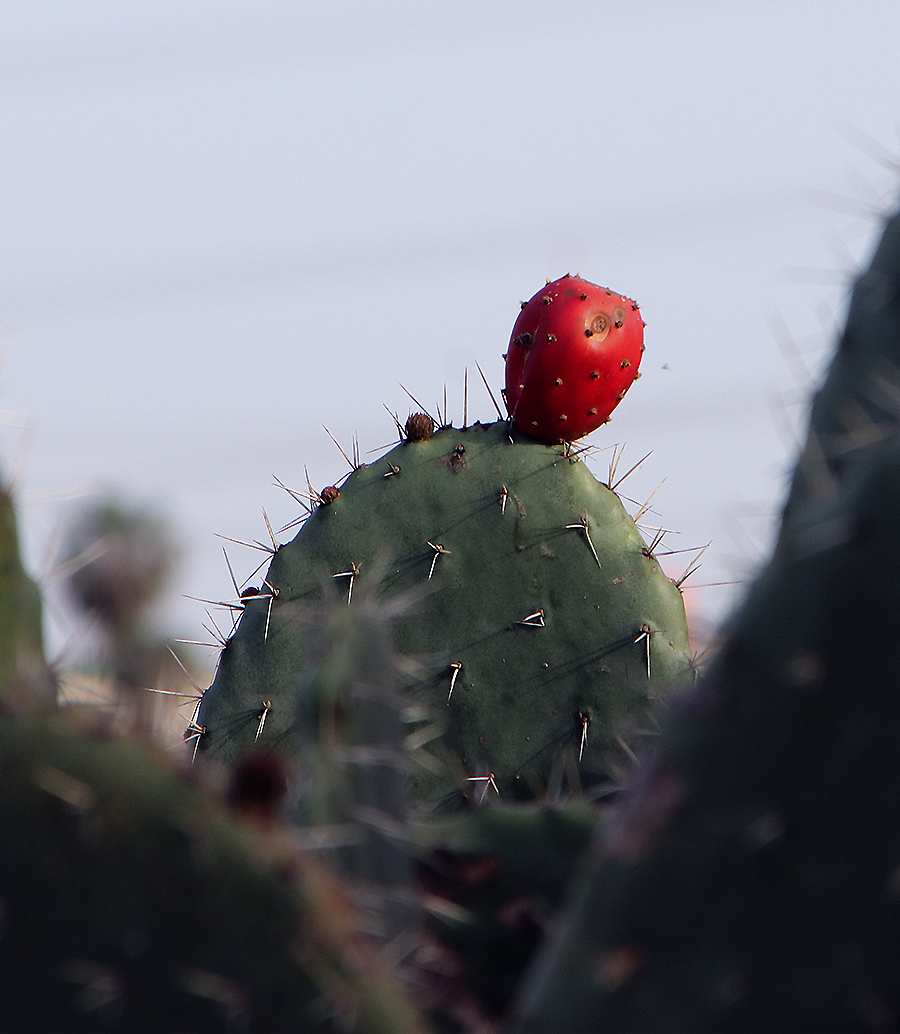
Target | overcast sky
(225,224)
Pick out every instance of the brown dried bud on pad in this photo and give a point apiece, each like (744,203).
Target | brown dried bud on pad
(419,427)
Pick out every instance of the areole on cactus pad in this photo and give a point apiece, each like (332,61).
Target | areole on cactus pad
(575,351)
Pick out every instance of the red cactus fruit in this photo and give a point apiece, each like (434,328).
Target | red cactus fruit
(574,352)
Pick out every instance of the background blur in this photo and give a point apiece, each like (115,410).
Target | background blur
(225,224)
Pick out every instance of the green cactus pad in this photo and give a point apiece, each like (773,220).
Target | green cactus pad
(533,595)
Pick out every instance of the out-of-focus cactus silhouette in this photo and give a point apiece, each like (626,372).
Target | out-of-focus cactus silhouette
(25,677)
(120,559)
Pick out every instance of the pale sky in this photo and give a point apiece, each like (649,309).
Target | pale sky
(225,224)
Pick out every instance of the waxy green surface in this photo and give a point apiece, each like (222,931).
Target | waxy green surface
(488,527)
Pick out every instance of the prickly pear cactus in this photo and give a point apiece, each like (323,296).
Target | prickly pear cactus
(542,622)
(751,882)
(132,901)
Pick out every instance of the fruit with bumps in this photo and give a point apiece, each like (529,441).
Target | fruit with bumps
(574,352)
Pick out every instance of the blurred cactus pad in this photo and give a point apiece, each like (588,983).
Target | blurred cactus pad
(542,624)
(23,671)
(120,557)
(133,901)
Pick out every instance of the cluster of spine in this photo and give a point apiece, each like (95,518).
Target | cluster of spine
(542,622)
(751,881)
